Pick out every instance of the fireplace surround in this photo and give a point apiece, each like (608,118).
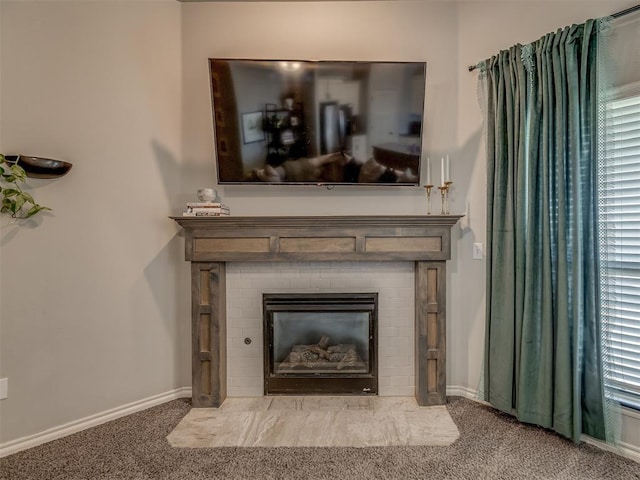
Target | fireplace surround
(212,242)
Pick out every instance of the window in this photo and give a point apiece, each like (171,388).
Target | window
(620,246)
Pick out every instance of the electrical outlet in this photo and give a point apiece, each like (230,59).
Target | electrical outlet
(478,251)
(4,388)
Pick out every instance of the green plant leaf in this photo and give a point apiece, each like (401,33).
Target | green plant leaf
(19,172)
(10,192)
(10,205)
(19,203)
(28,198)
(35,209)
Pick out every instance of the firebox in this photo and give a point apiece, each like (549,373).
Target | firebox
(320,343)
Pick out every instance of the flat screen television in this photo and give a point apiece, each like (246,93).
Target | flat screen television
(318,122)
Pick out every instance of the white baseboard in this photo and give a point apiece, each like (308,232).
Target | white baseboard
(632,452)
(15,446)
(624,449)
(459,391)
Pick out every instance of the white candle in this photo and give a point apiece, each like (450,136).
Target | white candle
(448,172)
(429,171)
(442,171)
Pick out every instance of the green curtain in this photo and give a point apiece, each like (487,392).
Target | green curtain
(542,355)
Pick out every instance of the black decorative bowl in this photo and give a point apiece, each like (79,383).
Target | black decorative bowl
(39,167)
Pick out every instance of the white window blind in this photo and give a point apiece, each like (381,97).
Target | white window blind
(620,219)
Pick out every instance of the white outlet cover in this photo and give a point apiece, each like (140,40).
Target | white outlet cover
(478,251)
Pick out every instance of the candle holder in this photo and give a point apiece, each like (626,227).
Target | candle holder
(448,183)
(444,193)
(428,189)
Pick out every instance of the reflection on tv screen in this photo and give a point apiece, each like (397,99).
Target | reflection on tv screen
(312,122)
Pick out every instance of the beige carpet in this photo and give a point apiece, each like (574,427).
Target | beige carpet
(492,446)
(315,421)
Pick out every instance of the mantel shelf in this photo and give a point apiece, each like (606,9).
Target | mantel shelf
(321,221)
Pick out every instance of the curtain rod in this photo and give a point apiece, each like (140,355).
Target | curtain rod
(622,13)
(626,11)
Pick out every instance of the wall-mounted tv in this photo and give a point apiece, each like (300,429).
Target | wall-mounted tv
(318,122)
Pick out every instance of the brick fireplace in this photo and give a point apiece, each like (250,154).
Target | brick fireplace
(326,243)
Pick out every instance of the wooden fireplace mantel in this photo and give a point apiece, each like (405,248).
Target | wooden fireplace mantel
(210,242)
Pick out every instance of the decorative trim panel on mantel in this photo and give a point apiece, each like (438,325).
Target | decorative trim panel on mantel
(210,242)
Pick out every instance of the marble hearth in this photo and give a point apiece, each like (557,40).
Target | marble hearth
(312,421)
(332,242)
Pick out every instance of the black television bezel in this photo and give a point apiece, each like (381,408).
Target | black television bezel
(321,183)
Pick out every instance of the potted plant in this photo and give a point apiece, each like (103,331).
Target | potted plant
(15,201)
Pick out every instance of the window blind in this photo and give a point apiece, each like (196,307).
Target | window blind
(620,262)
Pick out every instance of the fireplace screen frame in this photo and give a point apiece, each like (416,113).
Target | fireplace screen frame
(312,383)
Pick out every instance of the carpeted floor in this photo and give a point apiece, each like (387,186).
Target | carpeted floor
(491,446)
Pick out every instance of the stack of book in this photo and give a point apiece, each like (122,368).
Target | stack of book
(206,209)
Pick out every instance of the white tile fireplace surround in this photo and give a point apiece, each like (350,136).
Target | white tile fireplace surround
(393,281)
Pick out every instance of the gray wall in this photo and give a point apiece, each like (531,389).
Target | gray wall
(95,294)
(94,297)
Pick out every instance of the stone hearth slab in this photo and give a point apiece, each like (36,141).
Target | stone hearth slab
(315,421)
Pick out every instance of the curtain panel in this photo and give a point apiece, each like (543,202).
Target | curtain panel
(542,352)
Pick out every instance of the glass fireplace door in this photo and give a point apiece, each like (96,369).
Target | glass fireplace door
(320,343)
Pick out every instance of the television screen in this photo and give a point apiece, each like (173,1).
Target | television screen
(317,122)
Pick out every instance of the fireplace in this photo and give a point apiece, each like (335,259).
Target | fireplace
(320,343)
(210,243)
